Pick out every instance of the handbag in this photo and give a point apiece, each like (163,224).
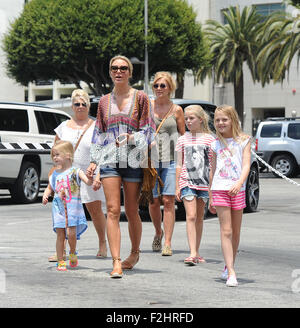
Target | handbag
(150,173)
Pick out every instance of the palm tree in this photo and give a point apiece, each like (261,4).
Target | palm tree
(231,45)
(280,43)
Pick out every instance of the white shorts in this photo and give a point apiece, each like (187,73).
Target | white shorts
(89,195)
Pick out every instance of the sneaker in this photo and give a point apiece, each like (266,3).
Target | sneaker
(61,266)
(224,275)
(231,281)
(167,251)
(73,260)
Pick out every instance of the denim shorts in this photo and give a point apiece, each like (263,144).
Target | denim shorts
(125,173)
(189,194)
(168,177)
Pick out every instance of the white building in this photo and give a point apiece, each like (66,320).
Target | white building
(9,89)
(259,103)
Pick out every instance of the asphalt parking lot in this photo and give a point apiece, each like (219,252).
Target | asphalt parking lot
(268,266)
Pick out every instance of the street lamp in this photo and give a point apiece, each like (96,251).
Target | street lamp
(135,60)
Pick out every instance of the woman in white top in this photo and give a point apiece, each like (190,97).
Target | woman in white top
(71,130)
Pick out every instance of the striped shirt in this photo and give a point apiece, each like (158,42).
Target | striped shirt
(196,159)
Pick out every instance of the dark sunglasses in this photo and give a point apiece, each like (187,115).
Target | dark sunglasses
(80,104)
(115,69)
(161,85)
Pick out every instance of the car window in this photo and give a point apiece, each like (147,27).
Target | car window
(271,131)
(294,131)
(47,121)
(13,120)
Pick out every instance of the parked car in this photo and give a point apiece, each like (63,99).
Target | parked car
(26,136)
(278,144)
(252,185)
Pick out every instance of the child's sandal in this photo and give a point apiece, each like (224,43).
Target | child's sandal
(73,260)
(61,266)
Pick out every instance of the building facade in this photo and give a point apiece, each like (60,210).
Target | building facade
(274,100)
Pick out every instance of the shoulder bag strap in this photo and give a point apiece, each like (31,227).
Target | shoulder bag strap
(162,122)
(78,141)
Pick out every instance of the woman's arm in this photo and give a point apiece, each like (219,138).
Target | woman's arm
(178,173)
(179,115)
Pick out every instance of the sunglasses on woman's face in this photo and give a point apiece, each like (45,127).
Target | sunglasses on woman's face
(79,104)
(161,85)
(122,69)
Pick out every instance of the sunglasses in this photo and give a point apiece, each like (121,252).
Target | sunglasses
(122,69)
(80,104)
(161,85)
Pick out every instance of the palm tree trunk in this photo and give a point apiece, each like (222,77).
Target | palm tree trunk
(180,85)
(239,98)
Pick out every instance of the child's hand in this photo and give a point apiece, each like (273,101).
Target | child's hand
(45,199)
(211,208)
(235,189)
(178,194)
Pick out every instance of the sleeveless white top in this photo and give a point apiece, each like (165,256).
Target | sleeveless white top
(81,157)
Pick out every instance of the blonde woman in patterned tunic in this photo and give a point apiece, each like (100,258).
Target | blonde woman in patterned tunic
(123,131)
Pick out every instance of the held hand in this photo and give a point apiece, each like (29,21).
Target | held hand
(90,170)
(96,185)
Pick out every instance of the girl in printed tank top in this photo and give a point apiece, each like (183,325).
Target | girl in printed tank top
(229,171)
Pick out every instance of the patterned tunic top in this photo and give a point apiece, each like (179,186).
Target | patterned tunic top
(136,119)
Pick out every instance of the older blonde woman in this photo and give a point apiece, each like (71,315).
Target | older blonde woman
(163,86)
(71,130)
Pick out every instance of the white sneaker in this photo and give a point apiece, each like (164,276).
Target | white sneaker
(231,281)
(224,275)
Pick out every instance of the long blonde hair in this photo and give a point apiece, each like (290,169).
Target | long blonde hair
(199,112)
(237,133)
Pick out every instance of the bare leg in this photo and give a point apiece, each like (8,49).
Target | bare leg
(169,218)
(230,225)
(99,221)
(155,214)
(60,242)
(112,186)
(131,196)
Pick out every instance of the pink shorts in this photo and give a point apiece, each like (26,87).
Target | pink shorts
(221,198)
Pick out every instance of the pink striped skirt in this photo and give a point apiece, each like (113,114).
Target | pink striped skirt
(221,198)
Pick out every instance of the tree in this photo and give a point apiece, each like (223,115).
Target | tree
(74,39)
(232,45)
(280,43)
(295,3)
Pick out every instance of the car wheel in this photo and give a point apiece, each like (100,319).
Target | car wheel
(252,190)
(284,164)
(27,185)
